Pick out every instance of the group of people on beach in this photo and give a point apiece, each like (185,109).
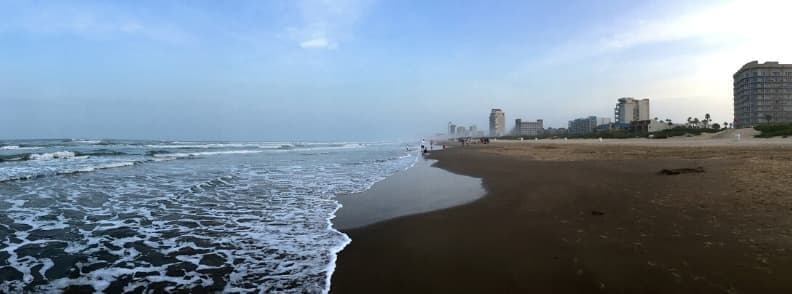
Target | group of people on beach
(468,141)
(424,148)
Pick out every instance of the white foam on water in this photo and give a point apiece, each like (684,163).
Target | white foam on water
(90,168)
(208,153)
(199,146)
(266,223)
(331,266)
(55,155)
(15,147)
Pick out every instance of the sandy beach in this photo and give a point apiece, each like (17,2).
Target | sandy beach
(583,216)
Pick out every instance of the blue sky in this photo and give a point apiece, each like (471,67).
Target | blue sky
(351,69)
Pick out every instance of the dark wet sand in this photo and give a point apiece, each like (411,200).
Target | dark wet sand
(585,226)
(420,189)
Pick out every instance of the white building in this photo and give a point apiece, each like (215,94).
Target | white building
(497,123)
(528,128)
(656,126)
(472,131)
(629,109)
(461,132)
(762,94)
(603,121)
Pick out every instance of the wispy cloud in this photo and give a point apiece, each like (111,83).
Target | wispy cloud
(324,24)
(741,20)
(317,43)
(89,21)
(742,27)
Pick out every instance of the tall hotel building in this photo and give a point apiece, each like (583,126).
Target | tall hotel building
(762,94)
(497,123)
(630,109)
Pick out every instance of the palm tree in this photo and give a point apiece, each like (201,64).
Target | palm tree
(690,121)
(725,125)
(668,120)
(768,117)
(696,122)
(707,120)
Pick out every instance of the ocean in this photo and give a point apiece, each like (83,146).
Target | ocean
(135,216)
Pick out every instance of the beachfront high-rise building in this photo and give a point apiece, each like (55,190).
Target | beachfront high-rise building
(461,131)
(472,131)
(528,128)
(451,129)
(762,94)
(603,121)
(630,109)
(582,126)
(497,123)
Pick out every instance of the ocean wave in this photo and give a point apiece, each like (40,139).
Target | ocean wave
(214,146)
(155,152)
(53,155)
(73,170)
(90,168)
(208,153)
(60,155)
(87,141)
(17,147)
(321,147)
(196,146)
(100,152)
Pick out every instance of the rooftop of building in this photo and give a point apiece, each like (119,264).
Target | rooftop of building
(767,64)
(625,99)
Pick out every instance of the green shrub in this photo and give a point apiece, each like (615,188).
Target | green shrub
(682,131)
(773,130)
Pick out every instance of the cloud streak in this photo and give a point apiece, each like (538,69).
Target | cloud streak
(318,43)
(324,24)
(87,21)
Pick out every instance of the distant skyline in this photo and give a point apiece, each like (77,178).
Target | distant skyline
(355,70)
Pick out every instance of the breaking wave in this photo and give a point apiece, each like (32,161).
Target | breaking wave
(244,217)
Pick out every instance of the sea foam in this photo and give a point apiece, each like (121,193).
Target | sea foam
(227,220)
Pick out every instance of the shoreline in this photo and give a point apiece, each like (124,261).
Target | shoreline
(419,189)
(557,218)
(381,201)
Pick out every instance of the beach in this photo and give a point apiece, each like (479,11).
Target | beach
(583,216)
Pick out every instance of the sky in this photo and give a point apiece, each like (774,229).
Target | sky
(365,69)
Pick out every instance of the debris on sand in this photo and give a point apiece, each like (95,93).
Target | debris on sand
(597,213)
(677,171)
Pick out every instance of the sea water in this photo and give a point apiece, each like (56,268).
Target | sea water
(133,216)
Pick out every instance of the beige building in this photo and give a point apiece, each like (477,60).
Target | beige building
(582,126)
(762,94)
(461,132)
(630,109)
(528,128)
(497,123)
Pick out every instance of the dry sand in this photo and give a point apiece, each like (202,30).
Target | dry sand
(591,217)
